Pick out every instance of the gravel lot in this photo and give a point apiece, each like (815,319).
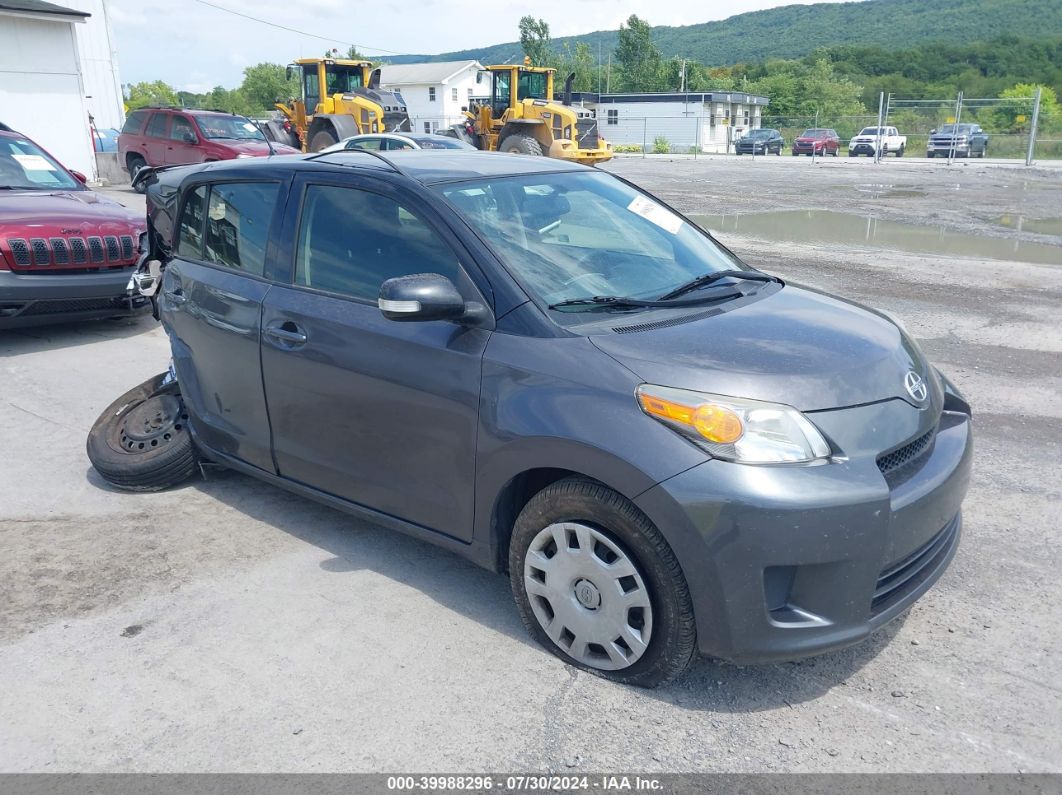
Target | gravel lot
(229,626)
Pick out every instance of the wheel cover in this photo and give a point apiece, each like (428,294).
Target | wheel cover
(154,423)
(588,596)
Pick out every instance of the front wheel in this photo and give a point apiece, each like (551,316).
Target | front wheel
(599,587)
(521,145)
(141,441)
(136,164)
(322,139)
(900,151)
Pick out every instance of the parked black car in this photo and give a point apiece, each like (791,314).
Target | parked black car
(961,140)
(541,367)
(760,142)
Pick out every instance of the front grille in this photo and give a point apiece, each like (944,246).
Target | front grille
(63,306)
(41,255)
(60,252)
(890,462)
(63,252)
(586,133)
(78,250)
(905,575)
(20,251)
(95,249)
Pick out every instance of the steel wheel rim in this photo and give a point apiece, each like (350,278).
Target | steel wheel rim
(588,596)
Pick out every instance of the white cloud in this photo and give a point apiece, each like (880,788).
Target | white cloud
(161,40)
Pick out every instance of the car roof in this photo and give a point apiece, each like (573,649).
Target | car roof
(425,166)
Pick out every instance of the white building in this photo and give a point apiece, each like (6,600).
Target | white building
(435,93)
(706,121)
(58,65)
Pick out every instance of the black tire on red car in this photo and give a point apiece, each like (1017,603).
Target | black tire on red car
(141,442)
(135,163)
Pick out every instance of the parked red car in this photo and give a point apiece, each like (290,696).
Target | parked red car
(819,141)
(175,136)
(66,252)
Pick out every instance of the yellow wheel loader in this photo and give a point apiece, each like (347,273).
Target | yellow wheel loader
(521,116)
(339,99)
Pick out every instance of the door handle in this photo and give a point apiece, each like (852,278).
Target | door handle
(176,295)
(287,332)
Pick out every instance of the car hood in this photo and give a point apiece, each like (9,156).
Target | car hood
(795,346)
(70,209)
(259,148)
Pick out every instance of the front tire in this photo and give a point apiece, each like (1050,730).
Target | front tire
(141,442)
(900,151)
(322,139)
(599,587)
(135,164)
(521,145)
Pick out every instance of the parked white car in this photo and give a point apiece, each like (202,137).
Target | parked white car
(391,142)
(866,143)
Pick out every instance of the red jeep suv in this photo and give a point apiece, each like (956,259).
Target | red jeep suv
(66,252)
(175,136)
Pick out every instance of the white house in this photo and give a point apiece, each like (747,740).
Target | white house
(707,121)
(435,93)
(57,65)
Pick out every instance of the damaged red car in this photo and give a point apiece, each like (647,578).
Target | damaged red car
(66,252)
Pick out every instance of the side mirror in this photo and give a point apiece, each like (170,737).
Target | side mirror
(80,177)
(933,131)
(422,296)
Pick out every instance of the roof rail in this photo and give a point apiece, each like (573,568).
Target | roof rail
(377,155)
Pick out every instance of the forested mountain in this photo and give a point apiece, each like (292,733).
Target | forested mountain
(794,31)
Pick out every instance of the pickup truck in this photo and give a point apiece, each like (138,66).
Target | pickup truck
(958,140)
(867,141)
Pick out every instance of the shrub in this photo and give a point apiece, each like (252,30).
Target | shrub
(661,146)
(627,149)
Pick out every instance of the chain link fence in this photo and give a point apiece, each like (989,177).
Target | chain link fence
(1009,122)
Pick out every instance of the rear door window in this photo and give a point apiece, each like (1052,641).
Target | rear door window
(157,126)
(227,224)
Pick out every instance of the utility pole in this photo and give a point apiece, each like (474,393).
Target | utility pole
(608,76)
(955,128)
(1032,127)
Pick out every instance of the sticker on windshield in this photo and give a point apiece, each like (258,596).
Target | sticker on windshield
(654,213)
(249,127)
(34,163)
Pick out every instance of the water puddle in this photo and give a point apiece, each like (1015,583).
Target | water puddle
(826,227)
(1039,226)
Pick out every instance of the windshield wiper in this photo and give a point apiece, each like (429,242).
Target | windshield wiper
(708,278)
(624,302)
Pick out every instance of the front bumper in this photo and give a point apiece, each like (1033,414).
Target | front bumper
(789,561)
(32,299)
(861,149)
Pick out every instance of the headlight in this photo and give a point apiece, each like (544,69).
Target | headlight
(736,429)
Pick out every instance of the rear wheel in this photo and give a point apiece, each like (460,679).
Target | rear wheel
(322,139)
(135,163)
(929,155)
(599,587)
(521,145)
(141,441)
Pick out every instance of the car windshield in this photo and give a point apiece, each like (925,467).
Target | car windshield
(956,128)
(871,131)
(439,142)
(221,126)
(814,134)
(578,235)
(761,134)
(25,166)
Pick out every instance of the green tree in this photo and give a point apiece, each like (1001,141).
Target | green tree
(638,58)
(1015,116)
(827,94)
(535,40)
(221,98)
(265,83)
(582,62)
(157,93)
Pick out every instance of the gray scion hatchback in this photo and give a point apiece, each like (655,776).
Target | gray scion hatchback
(542,367)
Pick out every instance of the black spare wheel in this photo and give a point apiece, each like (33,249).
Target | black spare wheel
(141,441)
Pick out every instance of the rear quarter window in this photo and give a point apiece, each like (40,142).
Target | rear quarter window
(156,128)
(134,122)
